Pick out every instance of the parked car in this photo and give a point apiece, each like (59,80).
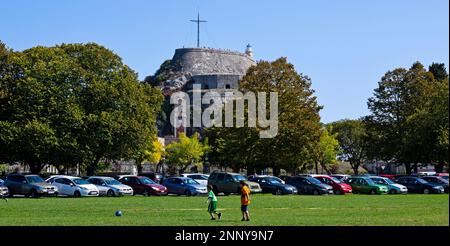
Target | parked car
(284,178)
(437,180)
(108,186)
(393,188)
(73,186)
(309,185)
(184,186)
(339,187)
(365,185)
(265,176)
(389,176)
(1,181)
(199,177)
(227,183)
(29,185)
(143,185)
(341,177)
(4,191)
(156,177)
(274,185)
(419,185)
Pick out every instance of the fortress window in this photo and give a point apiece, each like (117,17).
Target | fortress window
(227,86)
(206,87)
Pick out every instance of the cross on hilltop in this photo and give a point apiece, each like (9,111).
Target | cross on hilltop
(198,21)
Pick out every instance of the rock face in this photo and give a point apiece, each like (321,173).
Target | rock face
(200,61)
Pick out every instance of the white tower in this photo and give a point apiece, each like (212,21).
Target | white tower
(249,50)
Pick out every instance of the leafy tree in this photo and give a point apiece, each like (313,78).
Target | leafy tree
(439,71)
(153,154)
(298,122)
(185,152)
(326,151)
(352,138)
(74,104)
(400,127)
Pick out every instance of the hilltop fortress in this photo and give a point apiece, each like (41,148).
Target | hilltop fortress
(213,69)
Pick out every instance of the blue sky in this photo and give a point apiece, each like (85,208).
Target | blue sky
(344,46)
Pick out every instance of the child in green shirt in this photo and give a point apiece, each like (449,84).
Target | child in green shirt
(212,204)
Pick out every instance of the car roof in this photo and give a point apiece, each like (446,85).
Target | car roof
(64,176)
(100,177)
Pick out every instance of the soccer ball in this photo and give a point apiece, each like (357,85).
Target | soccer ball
(118,213)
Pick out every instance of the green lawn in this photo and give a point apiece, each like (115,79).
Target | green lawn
(380,210)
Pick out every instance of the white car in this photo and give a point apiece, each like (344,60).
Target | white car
(108,186)
(199,177)
(73,186)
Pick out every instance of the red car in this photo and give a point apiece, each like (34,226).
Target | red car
(389,176)
(143,185)
(339,187)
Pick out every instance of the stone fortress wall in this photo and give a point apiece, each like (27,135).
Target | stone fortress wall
(203,61)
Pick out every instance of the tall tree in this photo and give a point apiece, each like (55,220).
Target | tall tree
(396,126)
(298,122)
(352,138)
(326,151)
(74,104)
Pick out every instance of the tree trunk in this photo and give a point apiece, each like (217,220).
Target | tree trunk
(408,168)
(36,168)
(276,171)
(416,168)
(61,169)
(317,167)
(139,167)
(439,167)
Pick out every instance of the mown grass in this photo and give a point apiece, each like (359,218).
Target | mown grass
(268,210)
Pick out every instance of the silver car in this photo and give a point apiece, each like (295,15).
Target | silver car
(108,186)
(393,188)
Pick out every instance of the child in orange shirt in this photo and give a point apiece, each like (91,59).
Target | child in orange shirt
(245,200)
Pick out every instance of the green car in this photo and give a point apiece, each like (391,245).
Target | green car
(366,185)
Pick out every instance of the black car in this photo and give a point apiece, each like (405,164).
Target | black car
(437,180)
(419,185)
(309,185)
(273,185)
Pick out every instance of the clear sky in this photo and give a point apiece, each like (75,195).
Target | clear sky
(344,46)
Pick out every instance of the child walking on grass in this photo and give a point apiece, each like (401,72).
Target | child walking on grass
(245,200)
(212,204)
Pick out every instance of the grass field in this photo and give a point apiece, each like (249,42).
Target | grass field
(267,210)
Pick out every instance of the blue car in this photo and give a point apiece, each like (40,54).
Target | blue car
(184,186)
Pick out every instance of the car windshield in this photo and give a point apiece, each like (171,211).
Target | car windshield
(379,181)
(239,177)
(34,179)
(273,181)
(190,181)
(337,181)
(146,181)
(388,181)
(422,181)
(80,181)
(313,180)
(112,182)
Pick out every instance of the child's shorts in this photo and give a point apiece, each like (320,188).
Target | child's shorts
(244,208)
(212,207)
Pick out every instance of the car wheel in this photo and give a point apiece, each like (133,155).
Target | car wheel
(188,193)
(146,193)
(76,194)
(393,192)
(110,193)
(426,191)
(33,194)
(278,192)
(316,192)
(373,192)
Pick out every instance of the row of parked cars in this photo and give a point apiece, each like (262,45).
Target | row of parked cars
(222,182)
